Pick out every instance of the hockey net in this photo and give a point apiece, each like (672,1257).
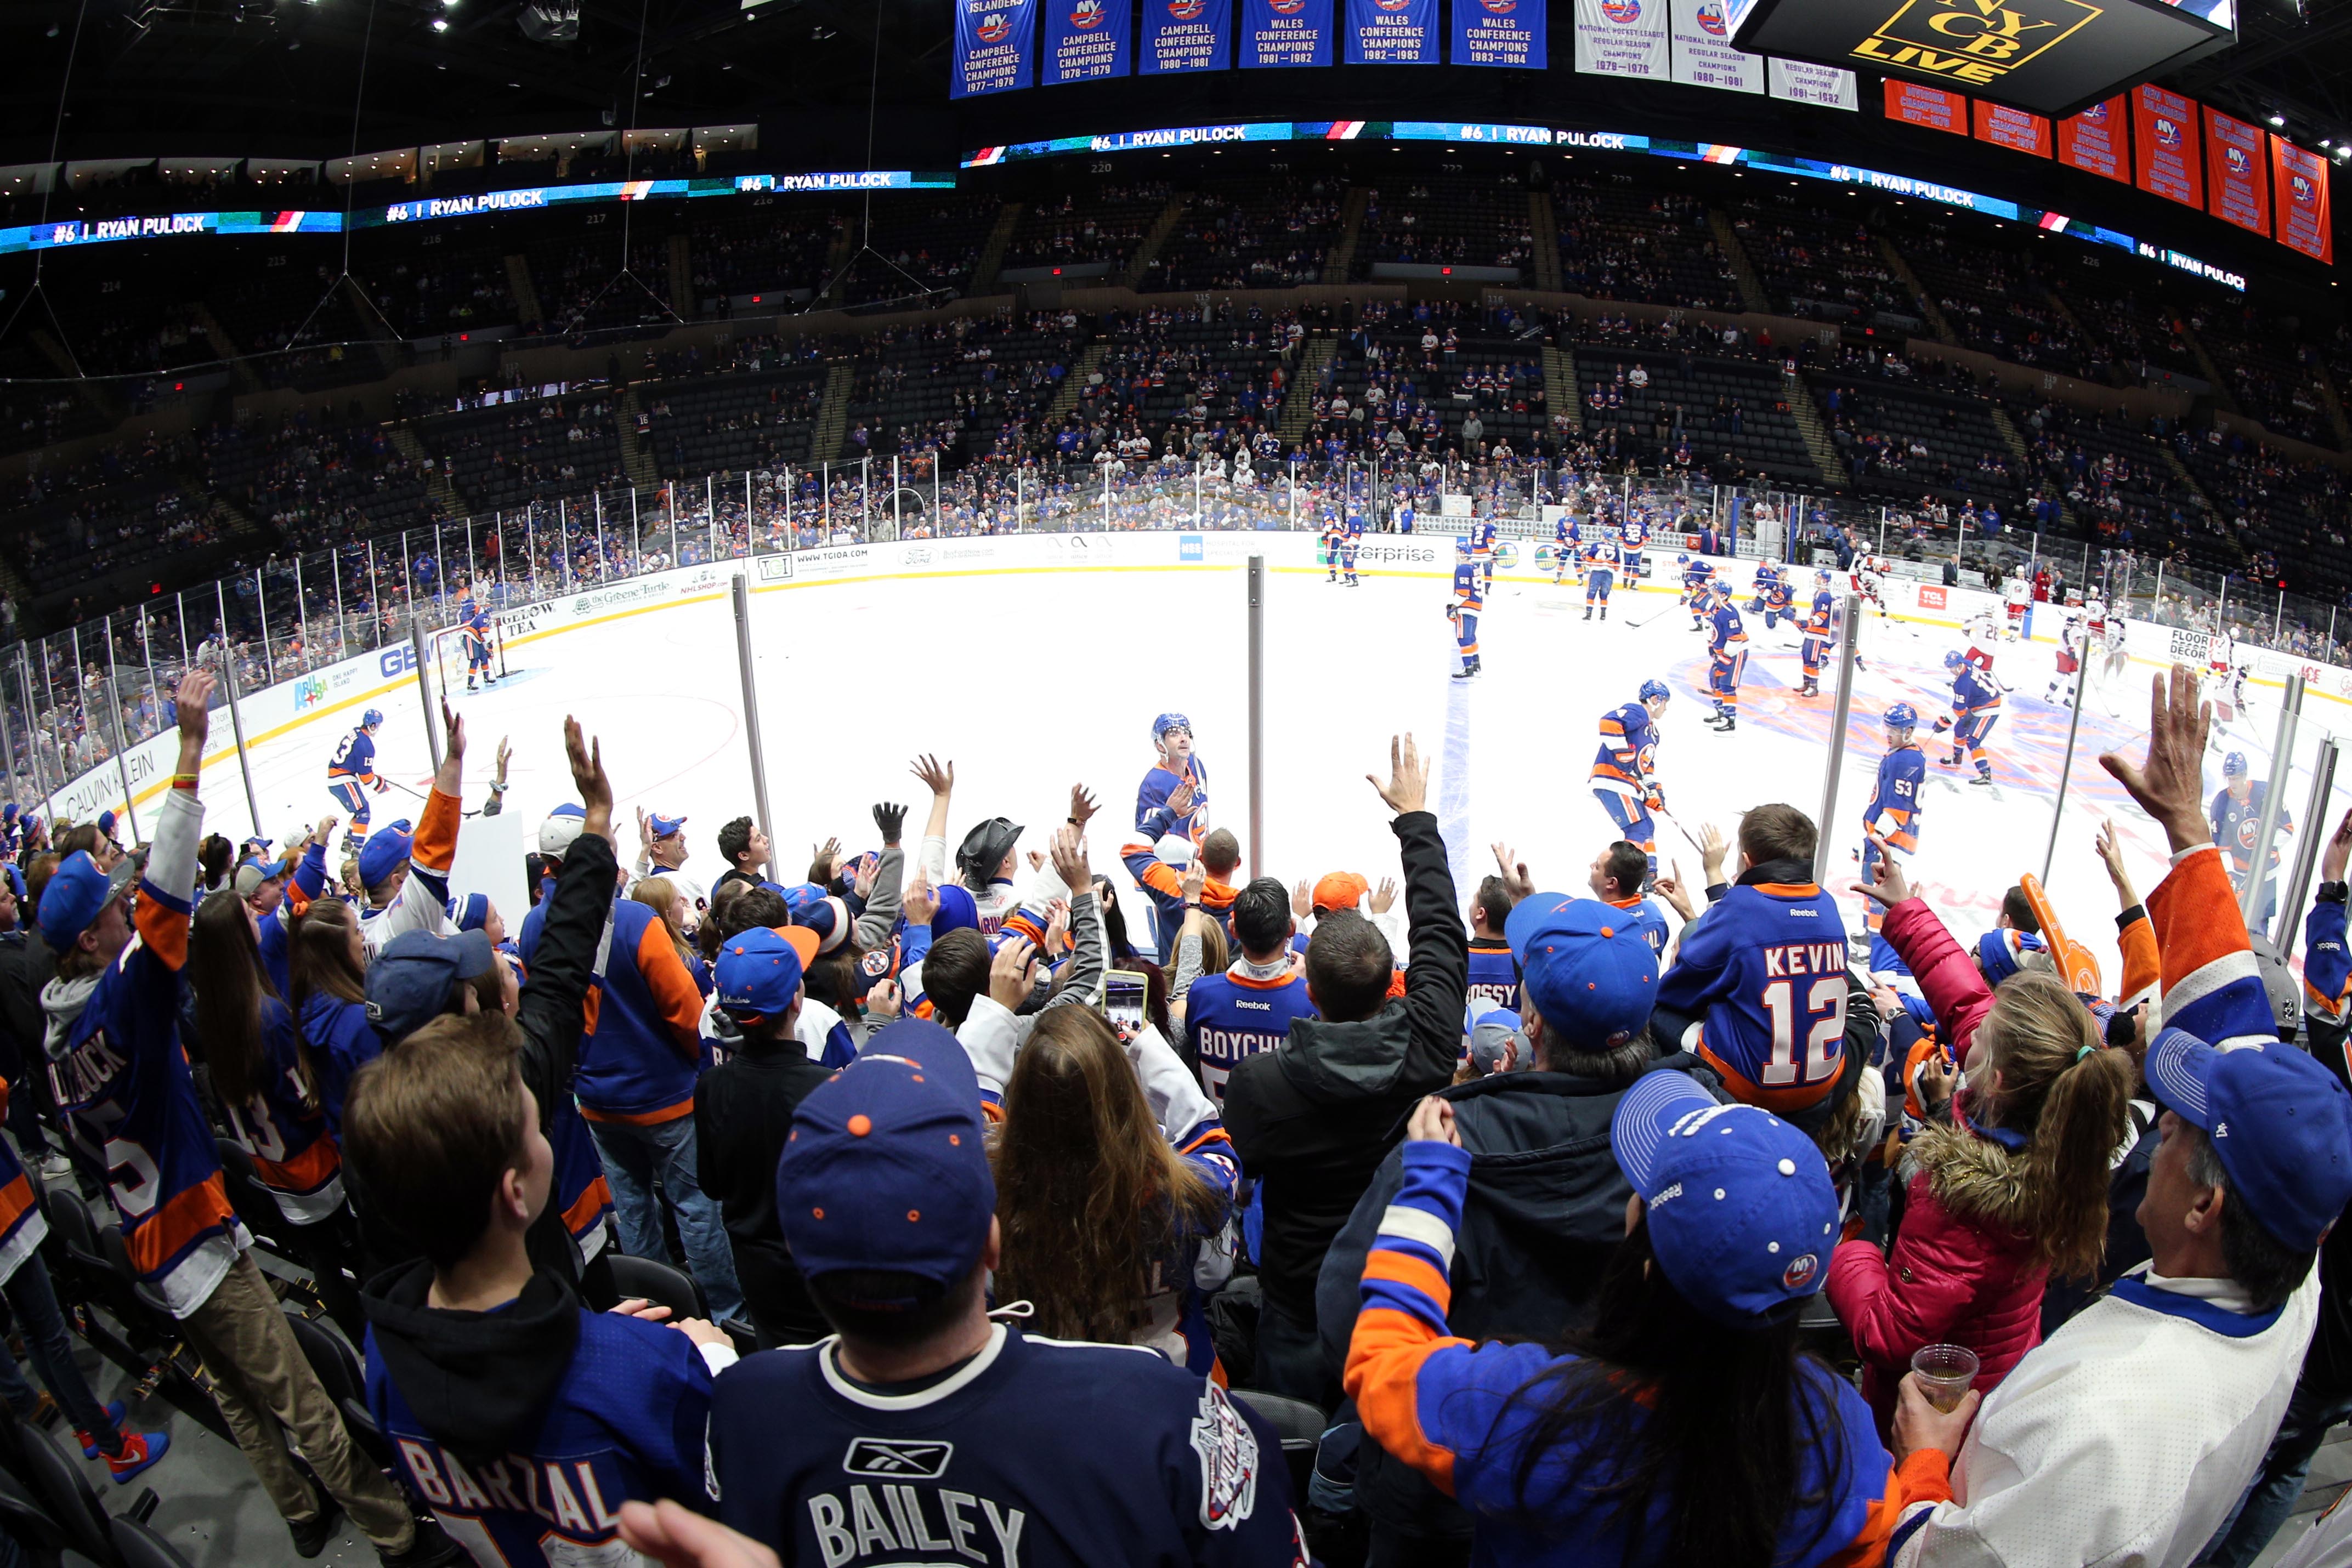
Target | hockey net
(449,652)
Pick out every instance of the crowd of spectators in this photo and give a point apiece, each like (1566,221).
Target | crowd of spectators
(1397,1219)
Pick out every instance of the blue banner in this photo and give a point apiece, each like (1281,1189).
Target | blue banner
(1086,39)
(1285,33)
(1499,32)
(1187,35)
(1392,32)
(994,49)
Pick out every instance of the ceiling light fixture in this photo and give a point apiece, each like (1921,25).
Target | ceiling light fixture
(2277,121)
(440,24)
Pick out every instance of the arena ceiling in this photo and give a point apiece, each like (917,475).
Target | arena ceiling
(283,77)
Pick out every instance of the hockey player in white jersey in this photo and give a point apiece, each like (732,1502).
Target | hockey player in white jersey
(2072,646)
(2016,595)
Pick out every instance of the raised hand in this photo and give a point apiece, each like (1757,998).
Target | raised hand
(587,760)
(1181,798)
(1083,806)
(1670,888)
(1408,785)
(891,819)
(1302,900)
(820,860)
(2339,851)
(1070,860)
(1196,877)
(938,776)
(2169,783)
(1011,975)
(921,901)
(1384,895)
(1891,888)
(1516,881)
(1713,849)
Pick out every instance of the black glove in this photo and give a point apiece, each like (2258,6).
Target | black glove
(890,818)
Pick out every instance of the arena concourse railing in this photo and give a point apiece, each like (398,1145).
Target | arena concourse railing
(75,699)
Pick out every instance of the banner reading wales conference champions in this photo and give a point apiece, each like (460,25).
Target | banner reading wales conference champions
(1498,33)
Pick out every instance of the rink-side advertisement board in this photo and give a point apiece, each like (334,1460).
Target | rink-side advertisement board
(327,697)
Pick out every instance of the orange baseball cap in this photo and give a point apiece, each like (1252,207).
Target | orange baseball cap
(1341,889)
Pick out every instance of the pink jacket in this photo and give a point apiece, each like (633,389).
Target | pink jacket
(1963,1270)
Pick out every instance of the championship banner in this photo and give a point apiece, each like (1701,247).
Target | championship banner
(2237,175)
(2299,198)
(2164,137)
(1801,81)
(1282,33)
(1087,39)
(2094,141)
(1703,52)
(1392,32)
(994,42)
(1498,33)
(1186,36)
(2012,128)
(1622,38)
(1929,107)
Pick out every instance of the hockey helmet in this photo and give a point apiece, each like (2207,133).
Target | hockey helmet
(1651,690)
(1462,544)
(985,847)
(1168,721)
(1954,658)
(371,718)
(2234,765)
(1901,715)
(1821,576)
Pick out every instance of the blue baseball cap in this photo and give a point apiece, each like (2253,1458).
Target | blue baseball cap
(2280,1124)
(105,820)
(1742,1215)
(665,827)
(386,852)
(411,981)
(1585,967)
(759,970)
(76,893)
(959,911)
(887,1165)
(828,917)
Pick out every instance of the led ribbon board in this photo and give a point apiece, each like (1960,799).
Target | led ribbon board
(2052,57)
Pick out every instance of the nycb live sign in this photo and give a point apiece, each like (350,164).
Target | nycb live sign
(2053,57)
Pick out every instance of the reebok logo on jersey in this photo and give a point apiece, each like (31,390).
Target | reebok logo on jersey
(887,1459)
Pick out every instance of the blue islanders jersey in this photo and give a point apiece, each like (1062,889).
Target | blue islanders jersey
(2235,823)
(1646,918)
(1151,800)
(1355,524)
(1824,614)
(1629,751)
(1037,1453)
(1229,1016)
(1892,814)
(285,1130)
(1494,974)
(1728,636)
(1973,694)
(1604,554)
(626,1423)
(1469,586)
(1765,972)
(1482,540)
(121,1082)
(2326,962)
(1696,571)
(354,758)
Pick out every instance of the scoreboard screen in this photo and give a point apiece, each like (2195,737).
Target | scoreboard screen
(2050,56)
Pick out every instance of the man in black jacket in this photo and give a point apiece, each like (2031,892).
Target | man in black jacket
(1312,1118)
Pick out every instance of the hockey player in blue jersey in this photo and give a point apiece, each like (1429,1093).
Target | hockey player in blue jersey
(1633,533)
(1335,538)
(1602,559)
(2237,818)
(1772,595)
(351,775)
(476,621)
(1890,822)
(1469,600)
(1173,797)
(1698,578)
(1820,627)
(1568,548)
(1624,776)
(1481,550)
(1976,709)
(1350,545)
(1726,647)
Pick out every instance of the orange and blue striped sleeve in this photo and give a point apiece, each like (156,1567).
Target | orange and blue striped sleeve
(1913,1489)
(1406,1296)
(2142,968)
(435,845)
(2212,988)
(671,985)
(2327,969)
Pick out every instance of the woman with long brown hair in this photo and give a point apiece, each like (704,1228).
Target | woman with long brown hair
(328,964)
(1103,1223)
(261,1073)
(668,904)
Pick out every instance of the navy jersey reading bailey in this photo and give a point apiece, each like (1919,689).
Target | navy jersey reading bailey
(1034,1452)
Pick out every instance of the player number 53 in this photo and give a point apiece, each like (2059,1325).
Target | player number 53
(1825,1008)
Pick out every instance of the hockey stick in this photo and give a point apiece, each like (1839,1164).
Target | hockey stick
(423,795)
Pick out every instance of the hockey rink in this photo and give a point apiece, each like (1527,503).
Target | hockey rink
(1032,680)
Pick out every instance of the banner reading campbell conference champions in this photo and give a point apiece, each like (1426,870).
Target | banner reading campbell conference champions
(1086,39)
(993,47)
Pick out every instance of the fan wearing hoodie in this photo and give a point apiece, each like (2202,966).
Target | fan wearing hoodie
(121,1078)
(522,1418)
(1313,1118)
